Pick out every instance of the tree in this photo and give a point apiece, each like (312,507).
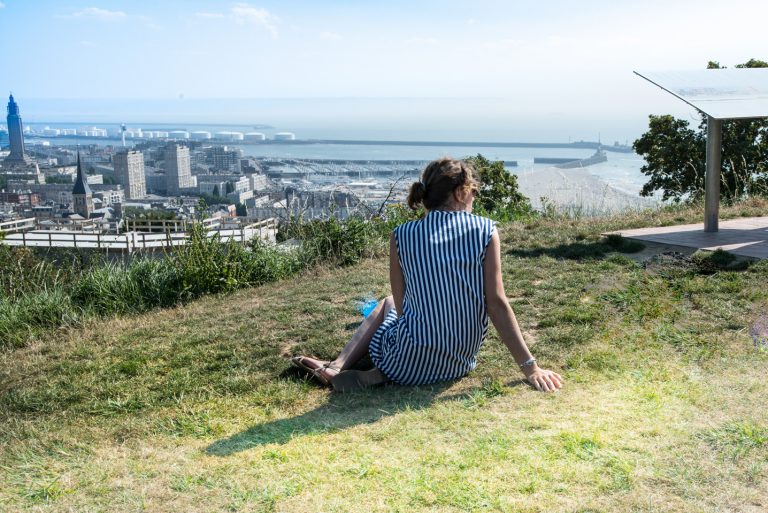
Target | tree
(498,196)
(215,190)
(230,188)
(241,210)
(675,155)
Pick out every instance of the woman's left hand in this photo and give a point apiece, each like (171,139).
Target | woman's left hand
(544,380)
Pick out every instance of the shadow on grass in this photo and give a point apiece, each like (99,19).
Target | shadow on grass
(340,412)
(581,250)
(573,251)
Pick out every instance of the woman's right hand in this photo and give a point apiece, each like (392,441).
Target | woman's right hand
(544,380)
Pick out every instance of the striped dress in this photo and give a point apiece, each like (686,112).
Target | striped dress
(444,319)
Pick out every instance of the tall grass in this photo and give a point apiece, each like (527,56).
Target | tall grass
(39,294)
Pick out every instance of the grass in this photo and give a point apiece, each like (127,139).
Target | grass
(195,408)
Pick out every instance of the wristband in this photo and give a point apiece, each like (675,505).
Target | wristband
(528,362)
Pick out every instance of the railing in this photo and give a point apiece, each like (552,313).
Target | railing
(166,225)
(18,225)
(134,241)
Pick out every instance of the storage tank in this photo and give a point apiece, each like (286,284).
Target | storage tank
(255,137)
(229,136)
(178,134)
(285,136)
(200,135)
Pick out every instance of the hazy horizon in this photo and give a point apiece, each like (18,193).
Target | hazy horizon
(450,119)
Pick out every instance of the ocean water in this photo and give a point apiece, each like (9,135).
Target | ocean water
(406,120)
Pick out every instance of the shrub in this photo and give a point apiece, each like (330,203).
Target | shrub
(499,197)
(334,241)
(206,265)
(269,264)
(158,280)
(108,290)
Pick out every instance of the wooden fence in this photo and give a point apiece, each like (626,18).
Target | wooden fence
(134,241)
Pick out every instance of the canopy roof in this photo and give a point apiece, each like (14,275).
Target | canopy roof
(718,93)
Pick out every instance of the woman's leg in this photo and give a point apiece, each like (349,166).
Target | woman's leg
(357,347)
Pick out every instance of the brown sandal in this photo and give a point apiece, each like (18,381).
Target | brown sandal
(318,372)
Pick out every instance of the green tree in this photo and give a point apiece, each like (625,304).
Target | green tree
(241,210)
(675,155)
(499,196)
(215,190)
(66,179)
(230,187)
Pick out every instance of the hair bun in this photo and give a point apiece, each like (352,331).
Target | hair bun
(416,194)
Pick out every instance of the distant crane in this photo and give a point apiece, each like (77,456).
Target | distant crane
(123,128)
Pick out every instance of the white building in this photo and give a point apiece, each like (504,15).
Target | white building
(129,170)
(178,170)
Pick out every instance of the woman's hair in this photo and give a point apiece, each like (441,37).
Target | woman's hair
(438,181)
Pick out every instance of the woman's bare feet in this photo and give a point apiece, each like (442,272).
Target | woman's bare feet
(323,370)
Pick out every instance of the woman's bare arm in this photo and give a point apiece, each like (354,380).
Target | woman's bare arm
(504,320)
(396,280)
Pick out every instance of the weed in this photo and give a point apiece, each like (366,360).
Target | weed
(737,439)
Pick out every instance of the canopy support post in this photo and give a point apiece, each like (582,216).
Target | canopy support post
(712,177)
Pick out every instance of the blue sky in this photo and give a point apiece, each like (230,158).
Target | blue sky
(562,59)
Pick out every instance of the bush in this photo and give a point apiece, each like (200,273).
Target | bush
(333,241)
(108,290)
(499,197)
(206,265)
(269,264)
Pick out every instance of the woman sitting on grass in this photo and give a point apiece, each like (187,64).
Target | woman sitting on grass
(445,274)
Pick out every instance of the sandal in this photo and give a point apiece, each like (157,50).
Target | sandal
(320,373)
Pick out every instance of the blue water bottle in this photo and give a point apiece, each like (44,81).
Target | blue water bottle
(367,305)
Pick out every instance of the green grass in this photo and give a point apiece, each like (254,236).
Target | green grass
(196,408)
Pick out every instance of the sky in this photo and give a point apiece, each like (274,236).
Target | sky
(551,63)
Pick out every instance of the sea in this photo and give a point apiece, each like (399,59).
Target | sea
(621,171)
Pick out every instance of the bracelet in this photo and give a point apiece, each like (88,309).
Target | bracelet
(528,362)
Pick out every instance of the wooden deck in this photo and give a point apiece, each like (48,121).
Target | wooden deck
(746,236)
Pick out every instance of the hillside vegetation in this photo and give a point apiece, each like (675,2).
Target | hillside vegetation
(195,408)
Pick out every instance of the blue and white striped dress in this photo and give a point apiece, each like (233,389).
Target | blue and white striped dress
(444,319)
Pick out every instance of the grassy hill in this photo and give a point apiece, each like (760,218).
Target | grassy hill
(196,408)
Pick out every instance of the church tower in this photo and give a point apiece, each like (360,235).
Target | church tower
(16,137)
(82,197)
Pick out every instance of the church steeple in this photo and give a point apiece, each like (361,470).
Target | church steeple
(81,184)
(82,197)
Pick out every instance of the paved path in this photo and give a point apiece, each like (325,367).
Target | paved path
(746,236)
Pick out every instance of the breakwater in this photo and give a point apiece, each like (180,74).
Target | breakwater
(594,145)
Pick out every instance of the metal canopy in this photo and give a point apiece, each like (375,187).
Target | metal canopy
(719,93)
(738,93)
